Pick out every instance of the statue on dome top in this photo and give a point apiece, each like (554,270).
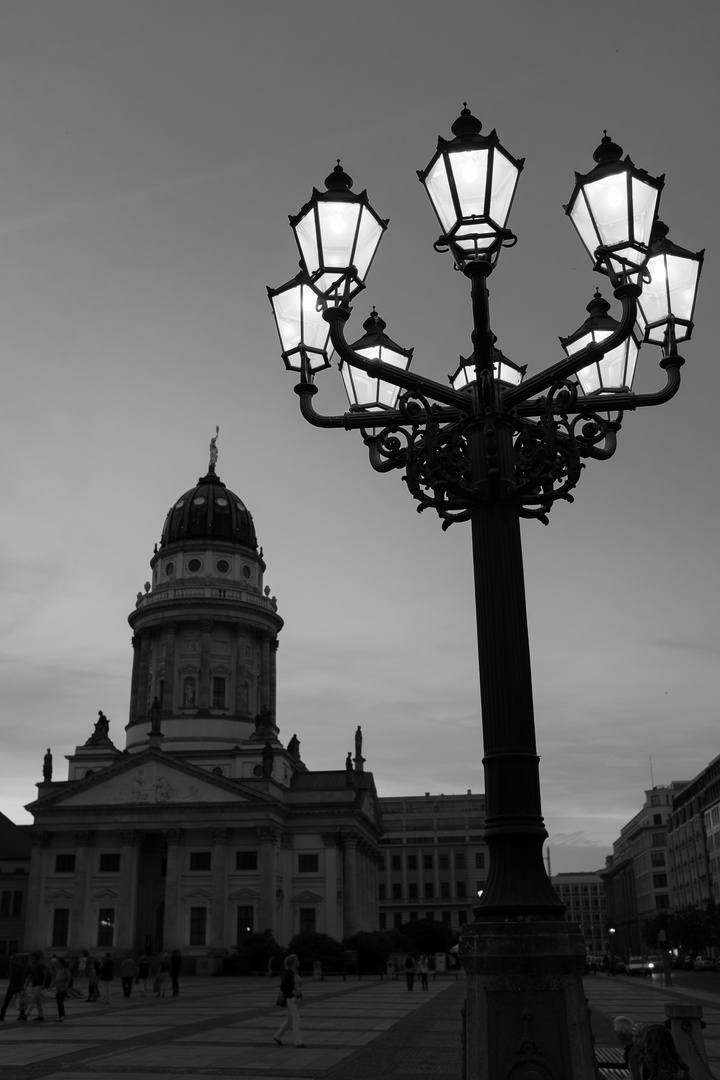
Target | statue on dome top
(214,449)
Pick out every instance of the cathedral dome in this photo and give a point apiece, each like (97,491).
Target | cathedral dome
(208,512)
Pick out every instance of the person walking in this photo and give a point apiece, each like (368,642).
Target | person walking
(162,975)
(291,987)
(105,977)
(143,974)
(60,984)
(128,971)
(39,982)
(410,972)
(17,977)
(175,965)
(93,971)
(423,968)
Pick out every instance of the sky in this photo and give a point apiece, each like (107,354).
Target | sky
(150,152)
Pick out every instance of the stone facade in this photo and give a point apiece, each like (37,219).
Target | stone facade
(206,825)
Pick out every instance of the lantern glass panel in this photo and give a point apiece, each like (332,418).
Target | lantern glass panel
(300,322)
(670,291)
(644,204)
(307,238)
(385,394)
(369,235)
(614,371)
(608,202)
(584,224)
(438,188)
(338,229)
(469,169)
(504,181)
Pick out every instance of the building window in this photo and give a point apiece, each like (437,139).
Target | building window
(429,890)
(308,864)
(413,917)
(462,918)
(60,927)
(381,891)
(443,862)
(412,862)
(397,920)
(479,860)
(446,918)
(427,862)
(64,863)
(412,890)
(218,692)
(460,888)
(5,901)
(657,858)
(660,881)
(245,920)
(200,860)
(307,920)
(17,901)
(459,862)
(445,890)
(198,925)
(383,921)
(662,901)
(246,860)
(109,862)
(397,891)
(396,862)
(106,927)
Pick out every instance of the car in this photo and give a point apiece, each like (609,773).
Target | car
(704,963)
(636,965)
(654,965)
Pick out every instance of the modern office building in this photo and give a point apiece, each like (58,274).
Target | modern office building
(693,841)
(584,897)
(435,859)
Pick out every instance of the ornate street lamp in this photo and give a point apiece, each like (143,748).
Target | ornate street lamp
(493,447)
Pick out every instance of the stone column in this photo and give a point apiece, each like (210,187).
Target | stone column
(81,935)
(264,702)
(268,879)
(127,895)
(36,929)
(143,674)
(204,696)
(168,702)
(135,678)
(332,926)
(273,679)
(220,838)
(172,931)
(350,885)
(238,669)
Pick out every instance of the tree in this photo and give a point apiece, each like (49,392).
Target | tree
(427,935)
(373,949)
(311,947)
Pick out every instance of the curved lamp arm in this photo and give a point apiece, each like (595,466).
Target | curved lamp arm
(622,401)
(627,294)
(338,315)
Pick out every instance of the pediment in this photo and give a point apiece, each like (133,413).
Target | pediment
(150,779)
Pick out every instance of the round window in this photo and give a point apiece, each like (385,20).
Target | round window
(179,504)
(221,502)
(200,501)
(169,569)
(222,566)
(194,565)
(246,571)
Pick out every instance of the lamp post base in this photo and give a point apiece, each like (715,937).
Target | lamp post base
(526,1013)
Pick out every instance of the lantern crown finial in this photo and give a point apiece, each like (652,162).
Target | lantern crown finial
(598,306)
(607,151)
(374,323)
(466,124)
(338,180)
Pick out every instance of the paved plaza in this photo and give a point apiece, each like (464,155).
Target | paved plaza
(220,1027)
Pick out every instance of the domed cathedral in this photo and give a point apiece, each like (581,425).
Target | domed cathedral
(206,826)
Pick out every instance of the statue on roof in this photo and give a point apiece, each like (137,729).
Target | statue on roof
(294,747)
(214,449)
(102,730)
(47,767)
(155,710)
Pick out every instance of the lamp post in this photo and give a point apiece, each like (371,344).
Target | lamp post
(491,448)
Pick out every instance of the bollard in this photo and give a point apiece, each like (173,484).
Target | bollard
(686,1029)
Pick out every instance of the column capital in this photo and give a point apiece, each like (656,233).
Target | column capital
(84,837)
(129,837)
(330,839)
(173,836)
(220,836)
(266,835)
(39,837)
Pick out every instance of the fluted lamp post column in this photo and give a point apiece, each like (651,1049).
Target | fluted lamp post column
(491,448)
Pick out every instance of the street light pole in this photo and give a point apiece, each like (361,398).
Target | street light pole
(491,449)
